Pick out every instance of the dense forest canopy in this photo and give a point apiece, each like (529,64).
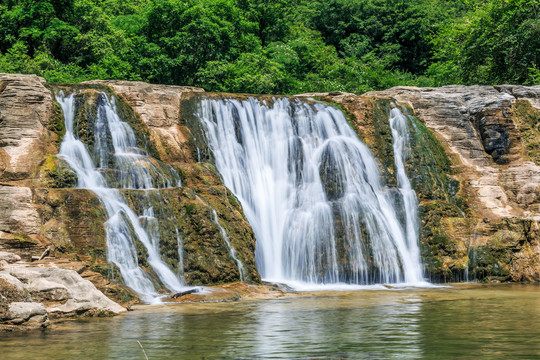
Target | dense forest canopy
(278,46)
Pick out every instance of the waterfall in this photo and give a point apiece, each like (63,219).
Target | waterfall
(312,193)
(232,251)
(399,124)
(129,167)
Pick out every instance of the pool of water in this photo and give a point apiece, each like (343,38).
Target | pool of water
(460,322)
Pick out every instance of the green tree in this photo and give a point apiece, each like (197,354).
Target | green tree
(273,18)
(397,32)
(498,42)
(190,33)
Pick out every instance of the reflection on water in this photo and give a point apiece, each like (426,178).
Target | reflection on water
(466,322)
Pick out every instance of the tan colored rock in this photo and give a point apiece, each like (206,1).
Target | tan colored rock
(32,313)
(234,292)
(17,212)
(25,109)
(159,108)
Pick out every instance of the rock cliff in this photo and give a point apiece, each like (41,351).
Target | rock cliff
(474,163)
(41,209)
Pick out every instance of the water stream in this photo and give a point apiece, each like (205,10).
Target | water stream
(131,169)
(232,251)
(312,193)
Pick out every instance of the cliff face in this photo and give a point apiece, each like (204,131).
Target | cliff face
(488,223)
(474,163)
(40,208)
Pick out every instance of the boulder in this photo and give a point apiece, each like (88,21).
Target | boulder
(33,294)
(32,313)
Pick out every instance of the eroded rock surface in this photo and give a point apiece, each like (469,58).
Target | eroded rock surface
(25,110)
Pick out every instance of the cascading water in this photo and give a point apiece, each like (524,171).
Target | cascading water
(312,193)
(232,251)
(399,124)
(131,169)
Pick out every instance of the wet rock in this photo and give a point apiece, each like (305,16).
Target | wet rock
(183,293)
(235,292)
(478,125)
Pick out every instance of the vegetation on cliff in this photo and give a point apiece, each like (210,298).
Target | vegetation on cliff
(282,46)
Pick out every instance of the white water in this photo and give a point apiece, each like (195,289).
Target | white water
(134,171)
(312,193)
(399,124)
(232,251)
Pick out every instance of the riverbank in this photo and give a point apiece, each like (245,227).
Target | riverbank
(43,293)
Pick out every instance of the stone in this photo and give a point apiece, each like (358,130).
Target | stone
(20,312)
(25,110)
(17,211)
(9,258)
(54,293)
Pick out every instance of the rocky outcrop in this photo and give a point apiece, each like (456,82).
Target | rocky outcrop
(486,224)
(478,125)
(31,295)
(25,111)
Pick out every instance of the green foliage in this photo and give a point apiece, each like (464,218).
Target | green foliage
(497,42)
(251,72)
(189,34)
(281,46)
(396,31)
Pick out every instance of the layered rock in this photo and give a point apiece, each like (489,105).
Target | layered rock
(31,295)
(25,113)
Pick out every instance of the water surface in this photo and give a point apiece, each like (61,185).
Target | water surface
(463,322)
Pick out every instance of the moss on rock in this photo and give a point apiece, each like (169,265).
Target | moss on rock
(55,173)
(528,120)
(187,219)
